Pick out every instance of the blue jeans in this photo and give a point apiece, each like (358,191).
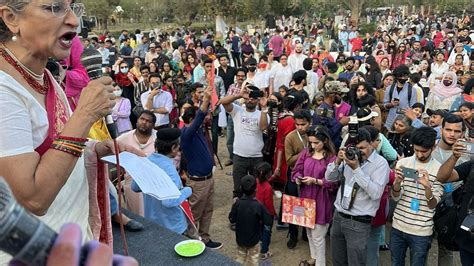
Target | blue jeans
(373,244)
(230,137)
(266,238)
(400,242)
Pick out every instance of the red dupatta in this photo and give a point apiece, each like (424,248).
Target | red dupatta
(99,205)
(57,116)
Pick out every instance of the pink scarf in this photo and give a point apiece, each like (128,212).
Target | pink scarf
(442,91)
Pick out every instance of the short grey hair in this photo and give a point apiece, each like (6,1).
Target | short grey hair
(16,6)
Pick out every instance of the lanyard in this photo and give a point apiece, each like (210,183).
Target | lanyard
(441,154)
(301,139)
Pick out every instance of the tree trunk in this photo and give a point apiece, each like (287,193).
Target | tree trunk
(356,9)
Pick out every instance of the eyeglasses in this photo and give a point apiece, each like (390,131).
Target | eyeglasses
(60,9)
(123,67)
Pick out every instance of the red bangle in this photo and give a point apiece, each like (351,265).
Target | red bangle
(83,140)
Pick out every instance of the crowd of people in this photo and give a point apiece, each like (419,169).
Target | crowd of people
(293,106)
(375,129)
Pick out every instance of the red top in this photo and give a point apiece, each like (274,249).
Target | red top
(356,43)
(264,195)
(285,125)
(380,216)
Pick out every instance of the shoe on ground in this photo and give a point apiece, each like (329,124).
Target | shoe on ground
(213,245)
(228,163)
(265,256)
(383,247)
(282,226)
(291,244)
(232,227)
(133,226)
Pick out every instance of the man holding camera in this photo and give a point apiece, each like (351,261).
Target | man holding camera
(417,192)
(449,172)
(363,174)
(249,123)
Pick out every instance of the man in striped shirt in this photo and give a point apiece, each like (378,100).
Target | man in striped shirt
(417,195)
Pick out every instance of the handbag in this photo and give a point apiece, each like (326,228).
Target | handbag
(138,109)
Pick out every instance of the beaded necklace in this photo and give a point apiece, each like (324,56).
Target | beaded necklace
(32,80)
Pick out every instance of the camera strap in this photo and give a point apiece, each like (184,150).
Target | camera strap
(355,189)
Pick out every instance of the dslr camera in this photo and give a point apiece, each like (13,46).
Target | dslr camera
(256,94)
(352,152)
(353,128)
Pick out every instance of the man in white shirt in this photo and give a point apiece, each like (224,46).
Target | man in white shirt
(249,123)
(281,74)
(312,80)
(363,174)
(151,54)
(158,101)
(296,59)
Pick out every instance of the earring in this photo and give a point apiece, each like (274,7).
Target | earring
(14,38)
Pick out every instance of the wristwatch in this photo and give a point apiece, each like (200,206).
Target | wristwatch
(428,200)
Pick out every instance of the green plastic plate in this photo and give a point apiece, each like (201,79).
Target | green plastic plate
(189,248)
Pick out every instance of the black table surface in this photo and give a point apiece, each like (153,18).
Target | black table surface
(154,245)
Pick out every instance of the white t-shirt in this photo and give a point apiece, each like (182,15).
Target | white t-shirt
(248,140)
(262,79)
(281,76)
(24,127)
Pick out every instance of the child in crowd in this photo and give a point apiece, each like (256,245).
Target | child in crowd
(265,196)
(250,217)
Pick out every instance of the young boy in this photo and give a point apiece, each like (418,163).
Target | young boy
(249,217)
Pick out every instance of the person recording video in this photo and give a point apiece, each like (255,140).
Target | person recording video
(363,174)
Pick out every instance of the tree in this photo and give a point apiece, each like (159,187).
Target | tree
(356,7)
(102,9)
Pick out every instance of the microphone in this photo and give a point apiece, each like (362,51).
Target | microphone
(22,235)
(91,59)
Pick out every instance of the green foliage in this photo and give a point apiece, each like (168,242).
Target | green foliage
(367,28)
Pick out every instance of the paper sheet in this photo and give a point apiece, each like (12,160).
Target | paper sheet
(151,179)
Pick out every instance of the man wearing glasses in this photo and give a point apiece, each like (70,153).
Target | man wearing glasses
(363,178)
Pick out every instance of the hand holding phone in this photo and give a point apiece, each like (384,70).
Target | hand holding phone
(469,146)
(409,173)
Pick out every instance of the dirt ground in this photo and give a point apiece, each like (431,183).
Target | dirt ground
(221,232)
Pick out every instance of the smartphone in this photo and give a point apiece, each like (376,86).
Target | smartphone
(410,173)
(400,111)
(469,146)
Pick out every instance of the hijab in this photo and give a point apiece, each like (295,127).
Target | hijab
(447,91)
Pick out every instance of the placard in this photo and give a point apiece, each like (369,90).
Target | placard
(299,211)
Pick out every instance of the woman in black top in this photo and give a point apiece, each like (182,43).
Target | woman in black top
(373,76)
(400,137)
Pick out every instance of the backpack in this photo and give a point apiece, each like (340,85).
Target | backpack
(410,91)
(446,217)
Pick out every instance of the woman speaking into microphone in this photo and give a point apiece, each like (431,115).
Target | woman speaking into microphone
(44,154)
